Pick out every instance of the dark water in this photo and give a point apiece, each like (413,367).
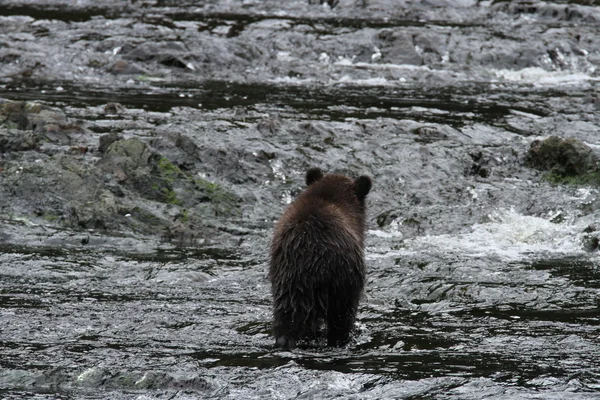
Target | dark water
(195,323)
(479,285)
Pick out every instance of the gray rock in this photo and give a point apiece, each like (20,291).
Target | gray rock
(398,48)
(564,157)
(50,123)
(107,140)
(122,67)
(16,140)
(131,153)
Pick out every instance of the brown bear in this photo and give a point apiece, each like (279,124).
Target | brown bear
(317,267)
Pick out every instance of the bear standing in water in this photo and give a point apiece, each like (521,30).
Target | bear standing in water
(317,266)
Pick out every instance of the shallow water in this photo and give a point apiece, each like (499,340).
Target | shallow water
(479,281)
(102,324)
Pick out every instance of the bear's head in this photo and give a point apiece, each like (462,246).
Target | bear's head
(338,187)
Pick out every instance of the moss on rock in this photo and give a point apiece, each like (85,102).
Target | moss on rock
(567,161)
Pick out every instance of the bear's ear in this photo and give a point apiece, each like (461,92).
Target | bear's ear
(313,175)
(362,186)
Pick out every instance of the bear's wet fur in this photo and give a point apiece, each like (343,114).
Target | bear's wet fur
(317,267)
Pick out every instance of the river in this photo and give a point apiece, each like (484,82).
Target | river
(483,277)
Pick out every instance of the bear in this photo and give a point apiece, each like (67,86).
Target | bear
(317,267)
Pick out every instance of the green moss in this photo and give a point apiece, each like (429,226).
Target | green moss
(185,216)
(591,178)
(170,197)
(223,201)
(168,170)
(50,217)
(146,216)
(164,175)
(147,78)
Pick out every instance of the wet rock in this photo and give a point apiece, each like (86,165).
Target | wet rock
(49,122)
(562,157)
(590,228)
(125,68)
(431,45)
(49,188)
(16,140)
(173,61)
(12,115)
(330,3)
(144,52)
(180,234)
(548,11)
(131,153)
(39,118)
(179,148)
(133,164)
(113,108)
(169,54)
(129,162)
(107,140)
(387,217)
(99,213)
(479,166)
(429,134)
(60,135)
(77,150)
(187,145)
(65,190)
(591,238)
(268,126)
(397,48)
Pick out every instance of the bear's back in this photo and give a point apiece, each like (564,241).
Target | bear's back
(325,223)
(318,223)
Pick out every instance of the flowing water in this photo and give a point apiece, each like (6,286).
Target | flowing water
(482,280)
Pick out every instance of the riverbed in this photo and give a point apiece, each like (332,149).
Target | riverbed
(483,275)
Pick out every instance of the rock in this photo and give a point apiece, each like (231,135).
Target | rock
(269,126)
(77,150)
(478,167)
(590,240)
(31,116)
(562,157)
(107,140)
(11,114)
(129,162)
(125,68)
(15,140)
(590,228)
(330,3)
(113,108)
(429,134)
(99,213)
(168,54)
(387,217)
(180,234)
(172,61)
(130,152)
(397,48)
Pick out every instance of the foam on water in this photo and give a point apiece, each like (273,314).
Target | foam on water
(542,77)
(379,81)
(508,235)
